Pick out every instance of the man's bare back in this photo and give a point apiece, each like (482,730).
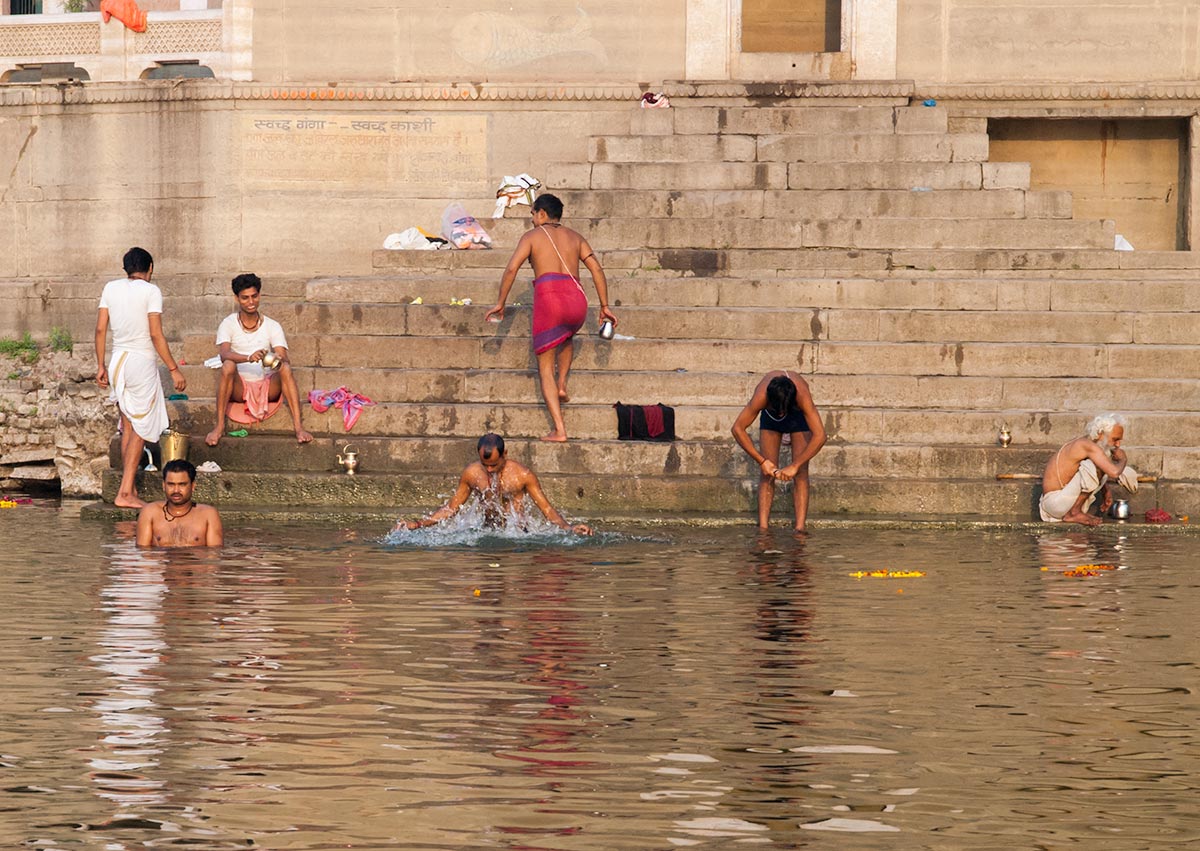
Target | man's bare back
(542,242)
(1104,452)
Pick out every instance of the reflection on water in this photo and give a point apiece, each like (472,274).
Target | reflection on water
(317,688)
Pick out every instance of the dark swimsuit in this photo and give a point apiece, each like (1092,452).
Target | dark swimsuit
(791,421)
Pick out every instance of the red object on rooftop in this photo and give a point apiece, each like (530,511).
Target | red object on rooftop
(126,11)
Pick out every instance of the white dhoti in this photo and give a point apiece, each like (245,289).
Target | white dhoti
(137,390)
(1053,505)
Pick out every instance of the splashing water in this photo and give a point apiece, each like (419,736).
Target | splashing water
(474,526)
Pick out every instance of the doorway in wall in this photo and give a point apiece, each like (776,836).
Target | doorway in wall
(791,26)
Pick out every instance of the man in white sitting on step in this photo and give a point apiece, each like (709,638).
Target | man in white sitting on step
(244,339)
(1079,472)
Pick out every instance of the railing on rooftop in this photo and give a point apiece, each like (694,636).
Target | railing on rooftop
(31,44)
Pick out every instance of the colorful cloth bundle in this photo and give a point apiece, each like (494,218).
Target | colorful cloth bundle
(350,402)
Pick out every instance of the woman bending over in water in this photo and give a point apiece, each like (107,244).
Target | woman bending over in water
(785,410)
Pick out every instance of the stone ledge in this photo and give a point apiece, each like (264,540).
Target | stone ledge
(816,93)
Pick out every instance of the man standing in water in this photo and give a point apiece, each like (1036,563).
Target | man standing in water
(784,408)
(1072,478)
(559,304)
(502,486)
(177,521)
(134,306)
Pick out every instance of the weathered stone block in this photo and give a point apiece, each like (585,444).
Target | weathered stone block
(968,233)
(680,176)
(1004,326)
(895,203)
(921,119)
(968,147)
(568,175)
(1048,204)
(791,120)
(672,149)
(1005,175)
(652,122)
(857,148)
(913,176)
(25,456)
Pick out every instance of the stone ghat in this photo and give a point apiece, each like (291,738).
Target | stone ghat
(928,295)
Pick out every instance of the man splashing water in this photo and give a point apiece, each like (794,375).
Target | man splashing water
(502,486)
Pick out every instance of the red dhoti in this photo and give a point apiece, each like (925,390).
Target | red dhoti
(559,310)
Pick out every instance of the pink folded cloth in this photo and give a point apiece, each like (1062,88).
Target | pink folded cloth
(350,402)
(257,395)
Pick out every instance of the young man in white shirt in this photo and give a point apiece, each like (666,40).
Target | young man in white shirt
(133,307)
(243,339)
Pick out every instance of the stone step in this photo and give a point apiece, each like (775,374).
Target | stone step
(819,121)
(445,455)
(912,176)
(522,416)
(809,262)
(634,233)
(903,289)
(587,496)
(505,351)
(806,204)
(448,455)
(599,387)
(915,148)
(949,323)
(920,176)
(702,151)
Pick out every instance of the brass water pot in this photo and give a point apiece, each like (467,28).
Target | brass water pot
(349,460)
(173,444)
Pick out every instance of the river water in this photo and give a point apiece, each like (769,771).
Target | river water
(321,687)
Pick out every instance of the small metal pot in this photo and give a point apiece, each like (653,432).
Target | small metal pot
(1119,510)
(606,330)
(271,361)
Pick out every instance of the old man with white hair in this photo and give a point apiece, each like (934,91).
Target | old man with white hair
(1080,471)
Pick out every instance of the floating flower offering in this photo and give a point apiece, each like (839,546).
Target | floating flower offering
(1089,569)
(887,574)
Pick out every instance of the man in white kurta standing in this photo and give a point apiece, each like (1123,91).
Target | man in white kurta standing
(133,307)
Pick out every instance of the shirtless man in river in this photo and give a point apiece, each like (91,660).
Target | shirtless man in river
(1073,479)
(502,486)
(177,521)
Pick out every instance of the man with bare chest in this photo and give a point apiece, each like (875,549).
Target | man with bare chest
(178,521)
(559,304)
(502,486)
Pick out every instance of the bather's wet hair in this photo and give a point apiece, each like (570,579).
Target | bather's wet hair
(781,396)
(1103,424)
(137,261)
(245,281)
(550,203)
(489,443)
(179,465)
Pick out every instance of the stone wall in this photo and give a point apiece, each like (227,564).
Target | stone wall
(215,179)
(486,40)
(1055,41)
(55,423)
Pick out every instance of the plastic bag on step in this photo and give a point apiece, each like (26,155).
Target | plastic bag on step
(463,230)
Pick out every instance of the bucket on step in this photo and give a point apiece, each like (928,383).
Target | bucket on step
(174,444)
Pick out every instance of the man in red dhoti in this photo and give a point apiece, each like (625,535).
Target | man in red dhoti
(559,303)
